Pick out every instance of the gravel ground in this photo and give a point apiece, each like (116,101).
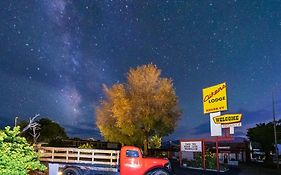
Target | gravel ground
(241,170)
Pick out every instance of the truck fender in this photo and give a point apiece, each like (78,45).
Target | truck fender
(72,170)
(158,171)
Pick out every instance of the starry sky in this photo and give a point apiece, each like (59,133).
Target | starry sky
(56,54)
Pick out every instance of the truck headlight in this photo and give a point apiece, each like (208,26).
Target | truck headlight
(168,166)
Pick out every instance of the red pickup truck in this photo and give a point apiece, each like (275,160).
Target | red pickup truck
(128,161)
(132,162)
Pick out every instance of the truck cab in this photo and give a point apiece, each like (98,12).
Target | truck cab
(133,162)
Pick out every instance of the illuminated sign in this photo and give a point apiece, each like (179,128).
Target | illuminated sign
(194,146)
(214,98)
(231,125)
(228,118)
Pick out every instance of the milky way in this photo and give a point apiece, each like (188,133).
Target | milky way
(55,56)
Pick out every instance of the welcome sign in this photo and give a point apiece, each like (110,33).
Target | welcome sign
(228,118)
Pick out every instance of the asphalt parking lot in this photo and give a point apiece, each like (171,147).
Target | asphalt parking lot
(241,170)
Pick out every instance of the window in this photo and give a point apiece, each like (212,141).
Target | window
(131,153)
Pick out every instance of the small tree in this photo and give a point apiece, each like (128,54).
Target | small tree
(17,157)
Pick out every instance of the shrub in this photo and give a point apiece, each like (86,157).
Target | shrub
(210,160)
(17,157)
(86,146)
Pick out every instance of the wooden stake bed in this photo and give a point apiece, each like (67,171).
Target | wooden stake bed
(75,155)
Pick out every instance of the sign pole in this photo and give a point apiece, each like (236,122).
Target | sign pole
(217,154)
(180,155)
(203,155)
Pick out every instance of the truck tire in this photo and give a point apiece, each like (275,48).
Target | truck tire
(159,171)
(71,171)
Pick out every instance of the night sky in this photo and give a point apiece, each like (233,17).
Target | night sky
(55,56)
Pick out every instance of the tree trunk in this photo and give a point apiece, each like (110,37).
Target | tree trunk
(145,145)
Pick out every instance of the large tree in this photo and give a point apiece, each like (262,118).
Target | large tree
(263,134)
(144,106)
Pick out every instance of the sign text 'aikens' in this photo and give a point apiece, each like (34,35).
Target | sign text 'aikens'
(214,98)
(228,118)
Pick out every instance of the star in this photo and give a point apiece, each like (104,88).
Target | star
(64,51)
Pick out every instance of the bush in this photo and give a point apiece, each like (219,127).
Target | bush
(17,157)
(86,146)
(210,159)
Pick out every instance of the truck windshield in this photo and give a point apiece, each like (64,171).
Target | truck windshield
(132,153)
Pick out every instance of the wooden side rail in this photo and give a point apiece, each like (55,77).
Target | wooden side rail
(75,155)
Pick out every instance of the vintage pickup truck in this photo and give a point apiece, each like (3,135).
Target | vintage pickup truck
(128,161)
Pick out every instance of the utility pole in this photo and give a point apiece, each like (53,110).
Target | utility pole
(275,134)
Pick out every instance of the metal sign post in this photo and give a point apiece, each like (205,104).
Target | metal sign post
(203,155)
(215,127)
(217,154)
(216,130)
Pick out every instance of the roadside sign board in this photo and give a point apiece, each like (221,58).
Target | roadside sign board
(191,146)
(215,99)
(228,118)
(233,125)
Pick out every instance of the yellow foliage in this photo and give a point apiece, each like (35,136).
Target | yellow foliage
(144,106)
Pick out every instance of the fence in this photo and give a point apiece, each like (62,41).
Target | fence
(75,155)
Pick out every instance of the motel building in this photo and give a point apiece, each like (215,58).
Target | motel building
(231,152)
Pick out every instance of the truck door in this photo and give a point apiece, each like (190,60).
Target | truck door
(130,163)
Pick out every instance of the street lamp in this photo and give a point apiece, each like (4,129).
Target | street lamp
(275,134)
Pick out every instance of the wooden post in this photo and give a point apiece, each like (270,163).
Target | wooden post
(67,155)
(53,152)
(78,157)
(117,158)
(111,159)
(93,156)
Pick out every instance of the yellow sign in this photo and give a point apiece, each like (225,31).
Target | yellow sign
(214,98)
(228,118)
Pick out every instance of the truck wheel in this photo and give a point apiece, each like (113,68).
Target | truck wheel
(71,171)
(159,171)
